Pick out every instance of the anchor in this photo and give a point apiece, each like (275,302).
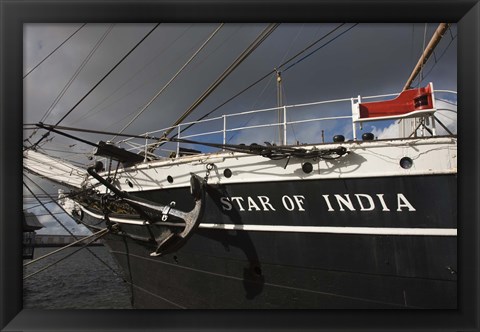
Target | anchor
(167,241)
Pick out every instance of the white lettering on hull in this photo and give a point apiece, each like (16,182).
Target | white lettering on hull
(333,203)
(365,202)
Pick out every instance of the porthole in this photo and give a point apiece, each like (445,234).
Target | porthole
(307,167)
(169,179)
(227,173)
(406,162)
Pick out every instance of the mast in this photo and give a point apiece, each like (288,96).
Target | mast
(437,36)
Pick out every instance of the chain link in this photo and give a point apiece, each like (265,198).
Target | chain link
(209,167)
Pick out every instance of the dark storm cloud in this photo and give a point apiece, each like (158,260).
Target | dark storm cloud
(369,59)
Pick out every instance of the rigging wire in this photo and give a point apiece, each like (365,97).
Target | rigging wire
(77,72)
(412,46)
(252,47)
(320,47)
(437,60)
(291,45)
(51,199)
(68,231)
(50,127)
(47,126)
(67,151)
(272,72)
(70,153)
(106,107)
(301,52)
(265,76)
(31,70)
(98,83)
(85,246)
(286,62)
(65,247)
(46,209)
(269,82)
(420,77)
(171,80)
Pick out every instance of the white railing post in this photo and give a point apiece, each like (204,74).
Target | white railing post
(434,130)
(354,125)
(224,130)
(146,148)
(178,143)
(284,125)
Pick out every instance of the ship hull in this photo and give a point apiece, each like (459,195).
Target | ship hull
(351,243)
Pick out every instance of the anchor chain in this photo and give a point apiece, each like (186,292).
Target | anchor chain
(209,167)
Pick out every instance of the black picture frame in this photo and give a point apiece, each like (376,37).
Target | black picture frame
(14,14)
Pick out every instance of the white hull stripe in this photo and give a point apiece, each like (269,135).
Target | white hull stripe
(309,229)
(337,230)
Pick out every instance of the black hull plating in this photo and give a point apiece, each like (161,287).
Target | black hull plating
(219,268)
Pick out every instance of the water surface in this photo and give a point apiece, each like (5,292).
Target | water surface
(80,281)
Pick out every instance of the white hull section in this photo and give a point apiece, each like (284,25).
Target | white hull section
(366,159)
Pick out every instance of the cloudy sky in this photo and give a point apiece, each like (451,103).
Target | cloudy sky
(348,60)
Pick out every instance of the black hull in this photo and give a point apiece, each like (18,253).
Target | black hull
(320,269)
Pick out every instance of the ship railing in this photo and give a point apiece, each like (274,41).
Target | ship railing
(222,127)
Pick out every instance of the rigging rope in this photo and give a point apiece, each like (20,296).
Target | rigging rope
(269,151)
(31,70)
(320,47)
(47,126)
(265,76)
(77,72)
(437,60)
(51,199)
(171,80)
(66,256)
(68,231)
(263,35)
(275,152)
(98,83)
(100,232)
(89,113)
(46,209)
(420,77)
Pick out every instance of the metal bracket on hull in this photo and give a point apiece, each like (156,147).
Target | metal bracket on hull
(168,240)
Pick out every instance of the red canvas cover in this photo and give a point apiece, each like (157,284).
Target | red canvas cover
(408,101)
